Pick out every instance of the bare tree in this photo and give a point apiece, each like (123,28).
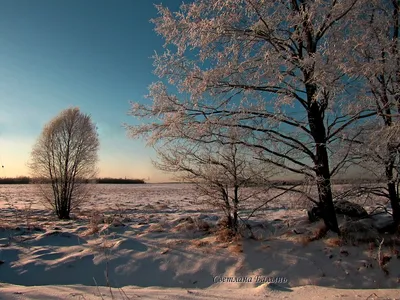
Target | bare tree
(64,158)
(274,69)
(227,177)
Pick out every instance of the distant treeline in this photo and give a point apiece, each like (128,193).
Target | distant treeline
(27,180)
(16,180)
(119,181)
(108,180)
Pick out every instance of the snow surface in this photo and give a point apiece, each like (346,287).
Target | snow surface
(149,241)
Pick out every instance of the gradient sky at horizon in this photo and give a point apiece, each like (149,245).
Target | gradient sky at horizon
(94,54)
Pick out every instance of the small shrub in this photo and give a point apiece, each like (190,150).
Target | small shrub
(236,248)
(94,224)
(319,232)
(200,243)
(202,225)
(224,235)
(223,223)
(304,240)
(185,226)
(334,242)
(155,228)
(358,231)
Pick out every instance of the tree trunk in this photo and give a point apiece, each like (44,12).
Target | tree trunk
(390,162)
(321,162)
(235,209)
(325,193)
(394,199)
(227,209)
(62,213)
(63,216)
(316,113)
(394,202)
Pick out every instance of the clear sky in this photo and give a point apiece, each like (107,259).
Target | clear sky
(94,54)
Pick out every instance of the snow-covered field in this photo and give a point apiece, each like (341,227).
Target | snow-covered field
(155,241)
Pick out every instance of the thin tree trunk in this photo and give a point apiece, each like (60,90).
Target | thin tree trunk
(228,209)
(235,209)
(395,50)
(65,196)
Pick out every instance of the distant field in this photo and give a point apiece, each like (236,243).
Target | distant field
(110,198)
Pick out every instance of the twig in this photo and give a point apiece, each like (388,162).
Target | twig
(269,200)
(372,295)
(107,279)
(382,263)
(95,282)
(124,294)
(380,252)
(378,207)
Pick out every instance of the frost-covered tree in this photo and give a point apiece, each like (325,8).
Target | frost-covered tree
(227,177)
(64,158)
(376,58)
(276,70)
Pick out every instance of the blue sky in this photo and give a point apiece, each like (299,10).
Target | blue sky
(95,54)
